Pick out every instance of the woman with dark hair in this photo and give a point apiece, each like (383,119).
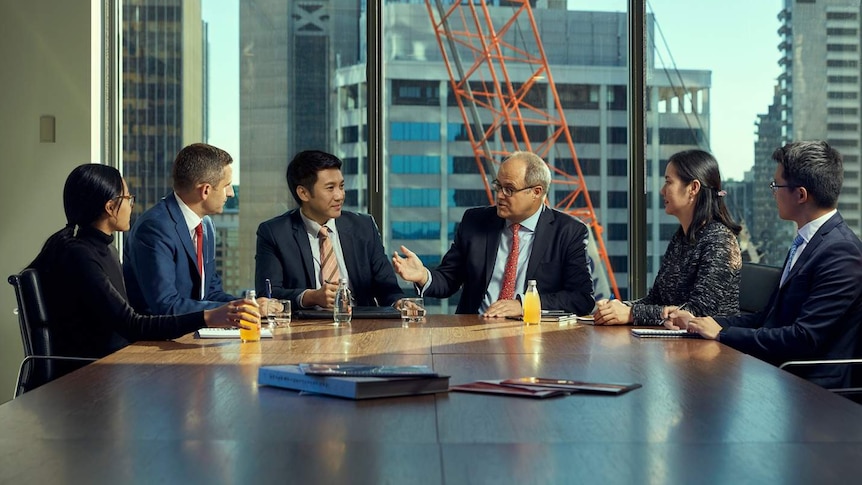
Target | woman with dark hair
(83,281)
(700,269)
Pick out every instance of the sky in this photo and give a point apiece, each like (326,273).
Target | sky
(735,39)
(222,17)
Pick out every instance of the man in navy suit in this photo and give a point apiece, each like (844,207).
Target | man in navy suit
(289,246)
(160,265)
(551,249)
(815,311)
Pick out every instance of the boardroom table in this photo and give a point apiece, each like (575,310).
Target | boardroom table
(190,411)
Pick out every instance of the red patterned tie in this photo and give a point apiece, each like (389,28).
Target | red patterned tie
(199,235)
(510,274)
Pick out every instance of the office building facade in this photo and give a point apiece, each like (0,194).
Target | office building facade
(163,52)
(288,52)
(820,85)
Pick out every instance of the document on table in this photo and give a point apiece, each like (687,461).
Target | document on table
(228,333)
(663,333)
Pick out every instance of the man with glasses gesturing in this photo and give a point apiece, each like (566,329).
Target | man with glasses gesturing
(498,249)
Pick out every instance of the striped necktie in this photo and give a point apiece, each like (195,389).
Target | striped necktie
(328,263)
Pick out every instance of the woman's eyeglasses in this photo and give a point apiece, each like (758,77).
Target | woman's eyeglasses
(130,198)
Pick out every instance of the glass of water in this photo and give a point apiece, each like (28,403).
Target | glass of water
(412,311)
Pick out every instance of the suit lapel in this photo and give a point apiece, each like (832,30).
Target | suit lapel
(183,230)
(812,245)
(492,242)
(300,237)
(541,244)
(348,245)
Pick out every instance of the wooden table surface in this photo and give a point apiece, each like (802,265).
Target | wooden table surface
(190,411)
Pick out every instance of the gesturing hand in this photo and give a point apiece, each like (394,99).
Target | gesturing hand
(409,267)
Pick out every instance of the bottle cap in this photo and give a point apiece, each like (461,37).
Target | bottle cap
(531,282)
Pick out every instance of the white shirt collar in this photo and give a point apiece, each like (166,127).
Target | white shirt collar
(313,228)
(192,219)
(808,230)
(530,222)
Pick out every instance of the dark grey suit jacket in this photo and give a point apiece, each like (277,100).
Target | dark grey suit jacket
(284,257)
(816,314)
(558,261)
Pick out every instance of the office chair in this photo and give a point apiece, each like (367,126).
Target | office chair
(854,390)
(38,366)
(756,284)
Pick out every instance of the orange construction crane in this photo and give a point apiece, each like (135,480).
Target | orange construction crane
(497,54)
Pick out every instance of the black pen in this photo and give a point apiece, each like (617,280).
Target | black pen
(268,288)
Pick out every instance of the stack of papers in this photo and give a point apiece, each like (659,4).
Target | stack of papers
(354,381)
(355,369)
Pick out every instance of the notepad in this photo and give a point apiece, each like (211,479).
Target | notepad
(227,333)
(663,332)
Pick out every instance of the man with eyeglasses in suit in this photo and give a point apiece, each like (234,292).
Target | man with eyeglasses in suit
(814,312)
(497,249)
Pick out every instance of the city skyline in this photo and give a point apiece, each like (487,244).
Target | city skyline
(744,68)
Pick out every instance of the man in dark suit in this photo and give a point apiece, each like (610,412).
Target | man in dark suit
(498,249)
(161,266)
(304,251)
(814,313)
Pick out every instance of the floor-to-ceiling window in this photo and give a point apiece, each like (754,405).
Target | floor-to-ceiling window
(265,79)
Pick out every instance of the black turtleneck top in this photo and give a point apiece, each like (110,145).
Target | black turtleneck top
(87,303)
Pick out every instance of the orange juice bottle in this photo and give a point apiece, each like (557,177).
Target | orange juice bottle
(532,304)
(254,334)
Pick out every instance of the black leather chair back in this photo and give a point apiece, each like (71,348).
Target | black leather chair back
(35,331)
(757,282)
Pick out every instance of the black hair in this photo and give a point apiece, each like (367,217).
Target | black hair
(816,166)
(709,206)
(88,188)
(302,170)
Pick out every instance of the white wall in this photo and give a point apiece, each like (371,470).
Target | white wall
(44,70)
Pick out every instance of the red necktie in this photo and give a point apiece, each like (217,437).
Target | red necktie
(510,274)
(199,235)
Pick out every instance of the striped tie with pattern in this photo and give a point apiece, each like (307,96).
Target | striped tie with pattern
(328,263)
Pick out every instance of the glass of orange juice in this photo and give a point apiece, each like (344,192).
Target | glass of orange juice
(253,334)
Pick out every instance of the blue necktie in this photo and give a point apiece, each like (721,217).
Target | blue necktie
(797,241)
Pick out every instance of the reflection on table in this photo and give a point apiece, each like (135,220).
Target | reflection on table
(190,411)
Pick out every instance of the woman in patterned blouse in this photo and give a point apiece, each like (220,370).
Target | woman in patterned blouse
(700,269)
